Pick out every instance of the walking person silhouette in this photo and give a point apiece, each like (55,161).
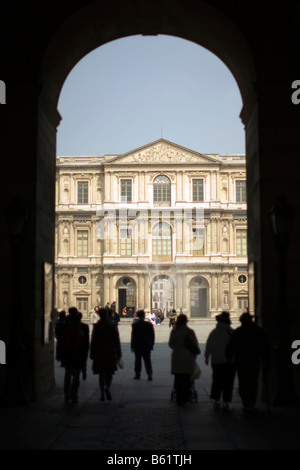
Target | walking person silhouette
(223,369)
(142,343)
(105,352)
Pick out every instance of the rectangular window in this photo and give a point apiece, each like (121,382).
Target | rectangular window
(130,296)
(242,269)
(82,243)
(241,191)
(242,303)
(241,242)
(162,248)
(198,190)
(82,270)
(82,305)
(126,191)
(162,193)
(82,192)
(125,242)
(197,241)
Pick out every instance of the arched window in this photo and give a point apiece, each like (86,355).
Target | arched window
(162,190)
(162,242)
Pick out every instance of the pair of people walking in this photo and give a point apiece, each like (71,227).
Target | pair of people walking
(73,345)
(72,350)
(242,352)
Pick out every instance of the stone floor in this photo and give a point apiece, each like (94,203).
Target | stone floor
(142,415)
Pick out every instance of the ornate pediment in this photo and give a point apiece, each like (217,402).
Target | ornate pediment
(163,151)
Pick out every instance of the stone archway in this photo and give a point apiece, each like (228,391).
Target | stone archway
(88,28)
(35,73)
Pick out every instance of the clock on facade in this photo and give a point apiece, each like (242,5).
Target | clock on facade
(242,279)
(82,279)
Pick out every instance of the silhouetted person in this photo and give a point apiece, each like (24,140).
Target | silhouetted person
(74,352)
(142,343)
(86,332)
(105,352)
(59,329)
(113,307)
(183,341)
(249,348)
(223,369)
(113,317)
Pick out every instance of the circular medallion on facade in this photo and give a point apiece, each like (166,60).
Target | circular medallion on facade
(242,279)
(82,279)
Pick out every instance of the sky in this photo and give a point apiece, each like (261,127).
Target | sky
(136,90)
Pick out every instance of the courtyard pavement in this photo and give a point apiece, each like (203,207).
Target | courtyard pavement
(142,415)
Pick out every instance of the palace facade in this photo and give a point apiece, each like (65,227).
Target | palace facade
(159,227)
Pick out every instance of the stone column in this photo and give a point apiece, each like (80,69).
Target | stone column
(184,296)
(211,196)
(220,302)
(94,277)
(178,234)
(231,294)
(217,186)
(178,292)
(111,288)
(213,231)
(205,241)
(146,294)
(214,297)
(230,237)
(209,235)
(140,291)
(106,290)
(107,187)
(218,236)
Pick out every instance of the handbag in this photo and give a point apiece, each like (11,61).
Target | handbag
(190,344)
(196,372)
(120,364)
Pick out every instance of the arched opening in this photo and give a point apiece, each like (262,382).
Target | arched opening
(126,288)
(199,297)
(162,186)
(162,294)
(221,38)
(80,32)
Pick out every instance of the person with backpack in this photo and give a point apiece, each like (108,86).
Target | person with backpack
(74,353)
